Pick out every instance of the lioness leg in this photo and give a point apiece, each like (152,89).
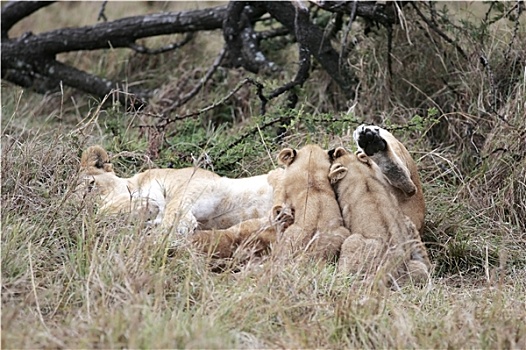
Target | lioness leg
(389,154)
(179,215)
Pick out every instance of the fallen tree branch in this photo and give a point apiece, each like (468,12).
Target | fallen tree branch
(144,50)
(241,40)
(311,37)
(115,34)
(14,11)
(29,61)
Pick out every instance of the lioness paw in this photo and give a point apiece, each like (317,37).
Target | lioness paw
(368,138)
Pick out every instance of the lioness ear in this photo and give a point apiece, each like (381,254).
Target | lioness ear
(97,157)
(287,156)
(336,153)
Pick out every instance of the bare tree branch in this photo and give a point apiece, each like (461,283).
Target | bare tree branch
(102,15)
(14,11)
(311,37)
(241,39)
(144,50)
(199,86)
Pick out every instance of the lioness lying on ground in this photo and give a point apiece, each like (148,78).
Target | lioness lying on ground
(180,198)
(382,237)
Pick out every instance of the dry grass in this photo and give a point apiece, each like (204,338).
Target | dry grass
(72,279)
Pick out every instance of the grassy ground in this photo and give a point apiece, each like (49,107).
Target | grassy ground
(71,278)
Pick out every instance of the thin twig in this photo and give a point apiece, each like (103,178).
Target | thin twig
(346,32)
(493,90)
(301,75)
(439,32)
(389,52)
(144,50)
(515,30)
(199,86)
(250,132)
(102,15)
(245,81)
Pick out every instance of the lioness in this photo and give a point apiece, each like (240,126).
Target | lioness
(382,236)
(184,198)
(318,225)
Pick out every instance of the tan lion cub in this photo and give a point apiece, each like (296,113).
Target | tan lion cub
(382,236)
(399,168)
(318,225)
(181,198)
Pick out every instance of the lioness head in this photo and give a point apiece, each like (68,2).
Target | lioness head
(96,172)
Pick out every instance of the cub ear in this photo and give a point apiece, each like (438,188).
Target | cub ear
(362,157)
(287,156)
(96,157)
(336,153)
(337,172)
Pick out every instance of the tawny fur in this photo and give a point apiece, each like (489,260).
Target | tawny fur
(318,225)
(254,236)
(183,199)
(383,239)
(399,168)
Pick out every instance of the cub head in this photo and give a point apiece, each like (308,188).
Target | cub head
(343,160)
(305,168)
(306,155)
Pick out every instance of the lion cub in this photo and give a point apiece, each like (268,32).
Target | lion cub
(399,168)
(318,225)
(382,237)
